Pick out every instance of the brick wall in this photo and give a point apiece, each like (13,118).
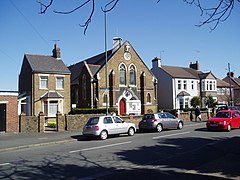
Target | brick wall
(30,124)
(10,99)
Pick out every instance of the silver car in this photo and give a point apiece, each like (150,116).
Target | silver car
(160,121)
(103,126)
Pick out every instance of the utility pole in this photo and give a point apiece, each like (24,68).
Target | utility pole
(230,85)
(105,36)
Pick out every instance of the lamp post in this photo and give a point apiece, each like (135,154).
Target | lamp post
(230,85)
(106,66)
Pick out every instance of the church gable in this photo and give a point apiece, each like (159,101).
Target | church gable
(127,59)
(124,83)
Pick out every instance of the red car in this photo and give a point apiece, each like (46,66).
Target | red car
(224,120)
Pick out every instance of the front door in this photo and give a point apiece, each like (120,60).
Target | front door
(122,107)
(2,117)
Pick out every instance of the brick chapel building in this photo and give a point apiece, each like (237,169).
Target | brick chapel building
(129,85)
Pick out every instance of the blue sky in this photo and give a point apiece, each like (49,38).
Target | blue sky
(165,29)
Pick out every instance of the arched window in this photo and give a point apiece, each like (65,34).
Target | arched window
(122,75)
(132,75)
(148,98)
(84,91)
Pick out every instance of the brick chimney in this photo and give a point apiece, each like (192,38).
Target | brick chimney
(156,62)
(194,66)
(117,42)
(56,52)
(231,74)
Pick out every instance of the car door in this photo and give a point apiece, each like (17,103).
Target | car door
(172,120)
(164,120)
(120,125)
(109,125)
(235,120)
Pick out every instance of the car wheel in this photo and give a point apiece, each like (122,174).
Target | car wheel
(159,128)
(103,135)
(131,131)
(180,125)
(229,128)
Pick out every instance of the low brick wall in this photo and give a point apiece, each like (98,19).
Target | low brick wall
(28,124)
(33,124)
(185,116)
(132,119)
(76,122)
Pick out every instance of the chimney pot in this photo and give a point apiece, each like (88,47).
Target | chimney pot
(56,52)
(117,42)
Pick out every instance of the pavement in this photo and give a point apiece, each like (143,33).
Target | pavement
(14,141)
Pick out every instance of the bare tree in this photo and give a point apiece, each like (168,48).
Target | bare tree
(216,14)
(44,7)
(220,12)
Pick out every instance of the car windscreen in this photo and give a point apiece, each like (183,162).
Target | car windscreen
(93,121)
(223,115)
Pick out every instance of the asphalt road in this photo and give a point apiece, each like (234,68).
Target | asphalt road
(190,153)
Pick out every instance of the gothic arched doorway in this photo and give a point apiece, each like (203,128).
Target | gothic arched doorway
(122,107)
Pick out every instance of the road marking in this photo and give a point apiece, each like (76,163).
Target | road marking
(99,147)
(4,164)
(158,137)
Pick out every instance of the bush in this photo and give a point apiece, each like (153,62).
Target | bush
(52,125)
(149,111)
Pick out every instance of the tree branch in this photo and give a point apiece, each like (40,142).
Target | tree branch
(114,2)
(44,7)
(215,15)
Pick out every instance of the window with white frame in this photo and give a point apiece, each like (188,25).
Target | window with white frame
(122,75)
(132,75)
(50,108)
(59,82)
(203,85)
(181,103)
(208,85)
(192,85)
(184,84)
(214,85)
(186,103)
(221,91)
(43,82)
(179,85)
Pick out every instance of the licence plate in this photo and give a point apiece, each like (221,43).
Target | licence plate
(214,125)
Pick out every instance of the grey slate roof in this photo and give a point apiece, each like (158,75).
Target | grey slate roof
(94,64)
(46,64)
(221,83)
(181,72)
(52,94)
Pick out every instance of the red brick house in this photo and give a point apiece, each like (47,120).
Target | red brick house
(9,111)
